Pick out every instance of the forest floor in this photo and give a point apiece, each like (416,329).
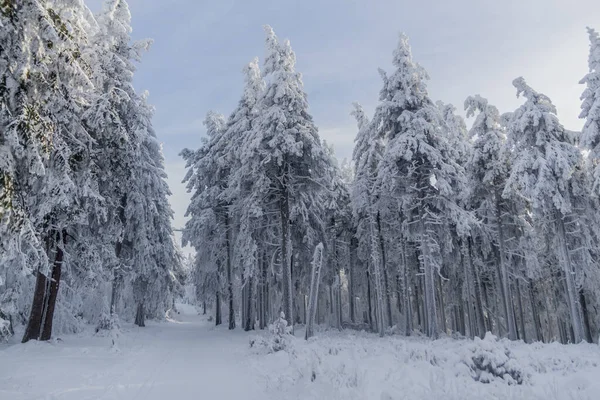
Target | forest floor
(191,359)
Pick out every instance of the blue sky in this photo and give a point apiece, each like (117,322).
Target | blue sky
(468,47)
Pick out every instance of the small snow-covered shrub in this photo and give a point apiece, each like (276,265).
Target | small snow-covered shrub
(279,339)
(109,326)
(489,359)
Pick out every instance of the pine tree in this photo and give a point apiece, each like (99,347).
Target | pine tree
(417,170)
(488,169)
(284,154)
(544,161)
(590,108)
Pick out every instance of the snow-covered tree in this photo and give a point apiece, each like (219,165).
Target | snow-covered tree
(418,174)
(284,158)
(590,108)
(488,169)
(367,155)
(544,161)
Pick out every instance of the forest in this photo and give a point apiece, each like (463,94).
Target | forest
(435,228)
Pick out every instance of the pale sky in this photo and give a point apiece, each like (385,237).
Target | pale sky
(467,47)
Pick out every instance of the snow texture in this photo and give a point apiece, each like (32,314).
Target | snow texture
(187,358)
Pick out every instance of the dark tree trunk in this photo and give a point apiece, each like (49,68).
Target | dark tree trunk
(478,297)
(53,292)
(586,317)
(249,325)
(534,313)
(218,320)
(34,325)
(370,305)
(204,308)
(351,275)
(286,257)
(140,315)
(229,271)
(523,334)
(45,294)
(386,281)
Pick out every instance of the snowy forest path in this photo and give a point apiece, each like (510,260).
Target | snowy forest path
(184,359)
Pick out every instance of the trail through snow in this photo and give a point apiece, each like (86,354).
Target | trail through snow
(190,359)
(186,359)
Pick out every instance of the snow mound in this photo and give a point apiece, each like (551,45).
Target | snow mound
(491,359)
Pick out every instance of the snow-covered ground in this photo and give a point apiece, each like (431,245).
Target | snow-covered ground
(190,359)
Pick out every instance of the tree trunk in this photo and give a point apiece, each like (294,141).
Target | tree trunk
(229,270)
(429,276)
(351,284)
(535,314)
(140,315)
(504,276)
(386,280)
(477,286)
(314,289)
(377,266)
(218,319)
(286,258)
(249,325)
(370,305)
(408,319)
(565,259)
(586,317)
(54,283)
(521,314)
(34,325)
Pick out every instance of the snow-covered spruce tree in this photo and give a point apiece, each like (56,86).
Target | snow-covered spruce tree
(22,153)
(590,108)
(112,117)
(367,155)
(543,164)
(488,169)
(284,154)
(338,231)
(206,230)
(51,184)
(417,173)
(151,248)
(246,246)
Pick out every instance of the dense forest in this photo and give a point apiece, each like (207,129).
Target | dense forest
(432,228)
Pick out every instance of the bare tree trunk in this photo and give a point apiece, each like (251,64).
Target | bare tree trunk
(406,292)
(442,304)
(34,325)
(386,280)
(565,259)
(351,284)
(477,286)
(54,285)
(229,269)
(140,315)
(535,314)
(377,266)
(314,289)
(286,258)
(218,319)
(249,324)
(370,305)
(521,314)
(586,316)
(504,276)
(429,275)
